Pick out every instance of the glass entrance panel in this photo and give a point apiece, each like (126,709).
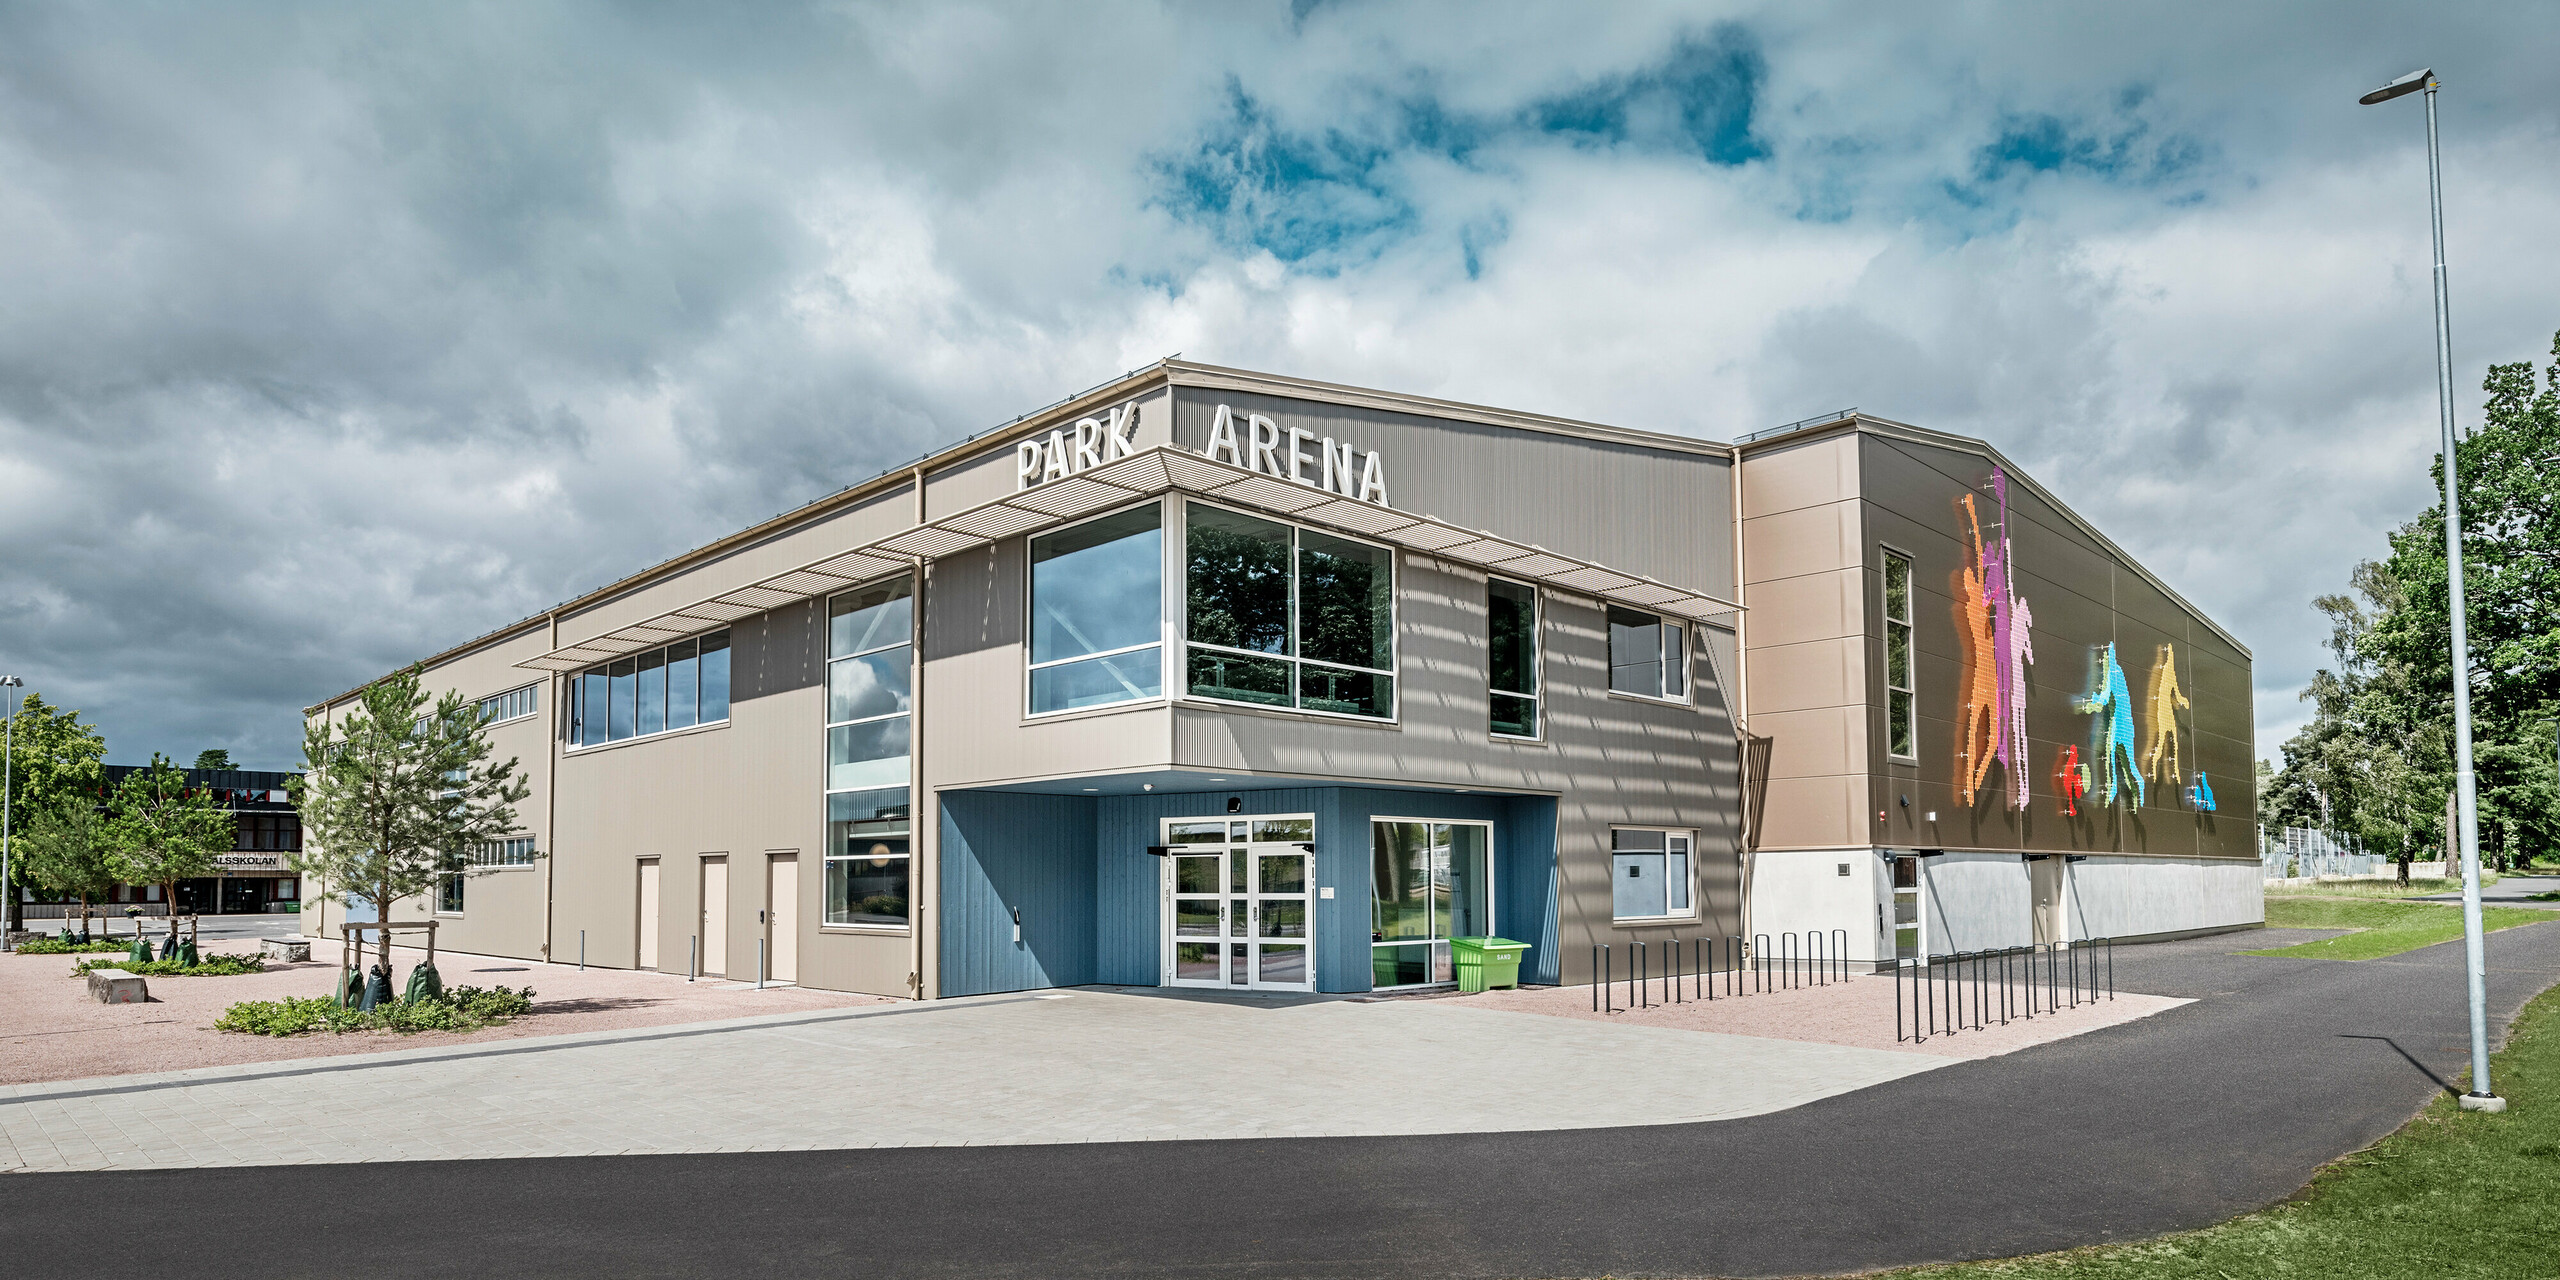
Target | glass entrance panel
(1428,882)
(1240,903)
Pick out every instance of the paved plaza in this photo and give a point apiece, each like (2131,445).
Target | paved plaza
(1051,1067)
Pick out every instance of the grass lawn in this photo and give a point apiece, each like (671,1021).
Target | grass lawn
(2419,886)
(2453,1194)
(2384,927)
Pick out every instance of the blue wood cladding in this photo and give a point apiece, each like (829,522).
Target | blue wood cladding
(1089,894)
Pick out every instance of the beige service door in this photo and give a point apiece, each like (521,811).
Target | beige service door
(715,917)
(2046,877)
(782,916)
(648,958)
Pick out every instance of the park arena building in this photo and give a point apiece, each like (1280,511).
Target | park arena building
(1219,679)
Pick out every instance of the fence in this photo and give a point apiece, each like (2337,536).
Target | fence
(1974,990)
(1810,959)
(2302,852)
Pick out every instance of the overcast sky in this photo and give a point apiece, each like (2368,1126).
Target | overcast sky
(330,337)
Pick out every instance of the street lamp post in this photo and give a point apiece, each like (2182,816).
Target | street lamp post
(2465,785)
(8,788)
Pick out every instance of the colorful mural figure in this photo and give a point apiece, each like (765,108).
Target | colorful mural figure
(2070,780)
(1998,648)
(2201,794)
(2013,648)
(2166,700)
(1980,732)
(2113,698)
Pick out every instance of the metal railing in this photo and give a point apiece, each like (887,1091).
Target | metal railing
(1818,959)
(1975,990)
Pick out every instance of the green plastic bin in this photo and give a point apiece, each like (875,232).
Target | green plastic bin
(1486,963)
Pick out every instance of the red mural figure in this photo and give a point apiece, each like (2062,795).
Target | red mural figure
(2070,780)
(1978,734)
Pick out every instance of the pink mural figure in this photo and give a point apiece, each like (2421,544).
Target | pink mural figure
(2166,700)
(2012,647)
(1979,736)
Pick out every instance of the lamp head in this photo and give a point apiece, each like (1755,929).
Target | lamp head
(2401,87)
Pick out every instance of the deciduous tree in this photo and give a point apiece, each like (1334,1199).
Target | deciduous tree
(161,831)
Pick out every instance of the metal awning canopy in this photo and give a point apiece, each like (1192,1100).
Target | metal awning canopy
(1146,474)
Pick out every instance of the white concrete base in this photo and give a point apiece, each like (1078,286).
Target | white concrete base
(2489,1102)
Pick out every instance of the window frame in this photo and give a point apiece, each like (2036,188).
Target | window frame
(1537,694)
(493,709)
(827,791)
(1492,890)
(1664,624)
(450,899)
(1910,650)
(828,855)
(1695,909)
(1165,642)
(1179,619)
(574,709)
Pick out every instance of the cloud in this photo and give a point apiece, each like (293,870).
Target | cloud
(335,338)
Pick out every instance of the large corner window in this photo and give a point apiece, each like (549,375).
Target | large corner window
(1428,882)
(1097,605)
(1899,733)
(870,655)
(1648,656)
(867,857)
(1650,874)
(677,687)
(1279,616)
(1512,668)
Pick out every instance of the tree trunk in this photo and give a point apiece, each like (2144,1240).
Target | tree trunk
(382,914)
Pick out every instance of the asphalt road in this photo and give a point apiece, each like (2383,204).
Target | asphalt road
(2176,1121)
(2511,891)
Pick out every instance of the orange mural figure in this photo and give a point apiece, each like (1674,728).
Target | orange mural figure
(2166,700)
(1978,736)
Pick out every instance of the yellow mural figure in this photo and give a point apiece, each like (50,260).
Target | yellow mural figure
(2166,700)
(1979,736)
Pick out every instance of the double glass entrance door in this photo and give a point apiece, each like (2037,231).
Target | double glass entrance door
(1239,907)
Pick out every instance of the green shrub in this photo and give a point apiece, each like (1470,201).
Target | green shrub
(57,947)
(208,967)
(460,1009)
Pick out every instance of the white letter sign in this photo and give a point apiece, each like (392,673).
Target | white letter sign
(1091,443)
(1282,453)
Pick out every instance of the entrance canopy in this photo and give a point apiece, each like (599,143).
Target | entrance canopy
(1149,473)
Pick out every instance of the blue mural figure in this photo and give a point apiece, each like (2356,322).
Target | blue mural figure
(2117,739)
(2201,793)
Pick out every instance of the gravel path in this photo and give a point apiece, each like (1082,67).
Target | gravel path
(51,1030)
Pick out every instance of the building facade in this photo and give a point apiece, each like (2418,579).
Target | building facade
(251,879)
(1221,679)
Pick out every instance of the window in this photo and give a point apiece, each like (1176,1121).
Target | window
(1285,617)
(870,646)
(1906,908)
(677,687)
(1097,612)
(1428,882)
(1648,656)
(516,851)
(1900,737)
(515,704)
(1650,874)
(867,857)
(449,894)
(1512,659)
(870,652)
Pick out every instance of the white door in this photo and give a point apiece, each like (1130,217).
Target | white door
(715,917)
(1239,903)
(648,958)
(782,917)
(2045,876)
